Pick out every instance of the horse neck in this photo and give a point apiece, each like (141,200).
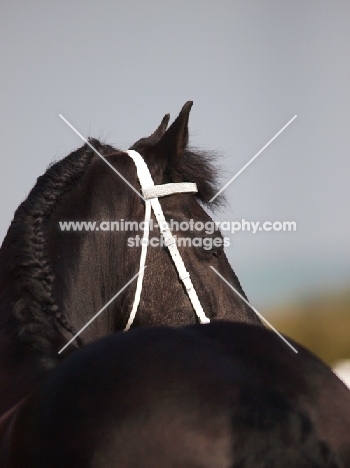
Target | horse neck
(89,265)
(88,269)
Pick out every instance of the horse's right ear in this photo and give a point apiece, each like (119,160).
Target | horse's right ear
(175,139)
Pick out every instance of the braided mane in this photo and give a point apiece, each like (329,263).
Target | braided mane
(25,245)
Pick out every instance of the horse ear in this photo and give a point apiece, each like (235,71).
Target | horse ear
(174,141)
(157,134)
(155,137)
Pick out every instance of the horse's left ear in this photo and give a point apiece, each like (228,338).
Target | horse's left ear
(174,141)
(155,137)
(157,134)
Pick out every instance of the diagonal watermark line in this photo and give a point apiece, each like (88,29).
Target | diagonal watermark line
(101,310)
(253,308)
(254,157)
(100,155)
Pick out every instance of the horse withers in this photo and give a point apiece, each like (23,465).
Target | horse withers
(223,395)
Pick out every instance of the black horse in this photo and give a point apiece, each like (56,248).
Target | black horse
(223,395)
(52,282)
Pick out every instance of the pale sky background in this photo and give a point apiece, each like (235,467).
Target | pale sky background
(113,69)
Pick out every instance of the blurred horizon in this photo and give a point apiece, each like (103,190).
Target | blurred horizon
(321,323)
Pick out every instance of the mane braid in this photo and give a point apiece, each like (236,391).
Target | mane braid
(34,307)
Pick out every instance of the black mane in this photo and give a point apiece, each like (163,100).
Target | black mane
(25,248)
